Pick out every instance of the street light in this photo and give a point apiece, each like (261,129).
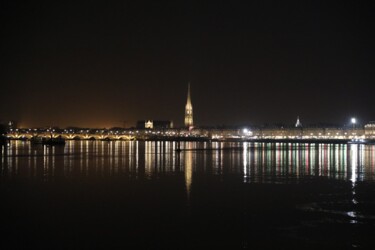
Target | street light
(353,121)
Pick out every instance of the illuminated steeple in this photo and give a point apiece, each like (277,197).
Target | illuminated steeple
(188,110)
(298,123)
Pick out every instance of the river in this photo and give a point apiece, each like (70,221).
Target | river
(148,195)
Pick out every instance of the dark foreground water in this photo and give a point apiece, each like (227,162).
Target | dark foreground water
(132,195)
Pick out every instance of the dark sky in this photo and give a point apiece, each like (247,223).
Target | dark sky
(98,64)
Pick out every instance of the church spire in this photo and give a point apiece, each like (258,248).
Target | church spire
(298,123)
(188,110)
(188,95)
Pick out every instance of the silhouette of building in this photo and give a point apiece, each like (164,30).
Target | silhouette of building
(189,111)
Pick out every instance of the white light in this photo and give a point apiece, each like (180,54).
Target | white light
(245,131)
(354,120)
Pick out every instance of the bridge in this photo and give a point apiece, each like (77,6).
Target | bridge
(70,135)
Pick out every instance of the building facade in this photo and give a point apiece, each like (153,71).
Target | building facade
(153,124)
(370,130)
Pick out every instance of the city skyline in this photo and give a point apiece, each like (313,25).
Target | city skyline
(106,65)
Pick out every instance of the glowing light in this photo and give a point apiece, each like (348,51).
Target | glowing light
(188,169)
(245,160)
(354,165)
(246,132)
(353,120)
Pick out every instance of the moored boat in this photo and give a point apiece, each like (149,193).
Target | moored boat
(36,140)
(47,141)
(53,141)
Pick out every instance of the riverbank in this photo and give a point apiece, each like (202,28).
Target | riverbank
(250,140)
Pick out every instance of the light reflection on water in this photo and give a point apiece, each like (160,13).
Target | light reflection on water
(255,162)
(236,185)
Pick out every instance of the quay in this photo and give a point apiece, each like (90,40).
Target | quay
(365,134)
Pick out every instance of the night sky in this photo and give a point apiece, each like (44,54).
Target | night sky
(100,64)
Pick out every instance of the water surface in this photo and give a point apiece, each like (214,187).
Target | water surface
(90,194)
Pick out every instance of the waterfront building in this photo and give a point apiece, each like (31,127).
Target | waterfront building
(189,111)
(149,124)
(309,133)
(370,130)
(154,124)
(12,125)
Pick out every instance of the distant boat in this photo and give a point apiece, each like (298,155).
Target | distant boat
(36,140)
(53,141)
(3,141)
(357,141)
(48,141)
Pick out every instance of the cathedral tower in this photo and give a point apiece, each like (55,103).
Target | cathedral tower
(188,110)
